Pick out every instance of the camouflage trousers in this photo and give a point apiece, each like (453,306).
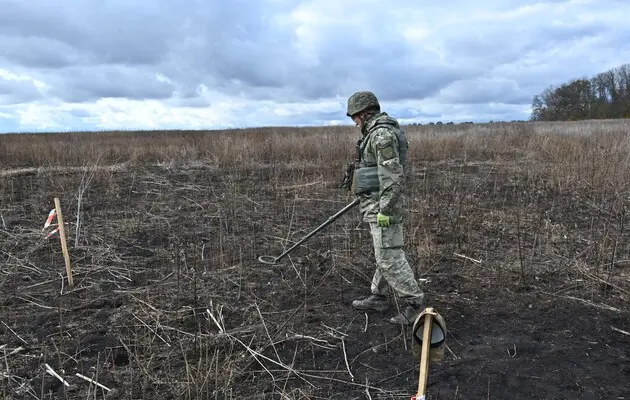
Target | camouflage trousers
(392,267)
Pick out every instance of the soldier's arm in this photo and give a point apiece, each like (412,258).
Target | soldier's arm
(390,171)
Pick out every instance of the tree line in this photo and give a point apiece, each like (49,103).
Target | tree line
(606,95)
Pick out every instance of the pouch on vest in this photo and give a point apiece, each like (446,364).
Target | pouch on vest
(366,180)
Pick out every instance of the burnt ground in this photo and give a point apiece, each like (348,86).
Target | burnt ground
(169,301)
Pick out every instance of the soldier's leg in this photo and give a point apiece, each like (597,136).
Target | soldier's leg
(393,265)
(379,283)
(395,268)
(378,299)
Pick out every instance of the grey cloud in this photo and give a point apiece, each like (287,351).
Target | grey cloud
(411,83)
(488,45)
(259,58)
(506,55)
(37,52)
(230,49)
(80,84)
(612,37)
(79,113)
(384,66)
(235,48)
(17,92)
(485,90)
(559,34)
(121,32)
(191,102)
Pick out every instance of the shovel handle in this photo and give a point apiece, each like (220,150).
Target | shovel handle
(425,359)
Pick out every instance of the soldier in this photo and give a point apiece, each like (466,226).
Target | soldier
(379,180)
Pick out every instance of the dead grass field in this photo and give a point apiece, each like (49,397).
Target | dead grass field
(518,231)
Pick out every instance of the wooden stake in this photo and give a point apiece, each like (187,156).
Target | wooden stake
(425,358)
(64,245)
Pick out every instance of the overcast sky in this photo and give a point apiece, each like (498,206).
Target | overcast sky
(128,64)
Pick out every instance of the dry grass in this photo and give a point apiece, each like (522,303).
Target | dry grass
(596,153)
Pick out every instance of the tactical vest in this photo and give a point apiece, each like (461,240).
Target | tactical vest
(366,176)
(403,147)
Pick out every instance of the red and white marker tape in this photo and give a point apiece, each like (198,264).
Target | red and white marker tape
(53,232)
(51,215)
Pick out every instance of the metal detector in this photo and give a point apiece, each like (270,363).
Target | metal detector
(274,260)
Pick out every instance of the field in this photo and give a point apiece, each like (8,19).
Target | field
(518,233)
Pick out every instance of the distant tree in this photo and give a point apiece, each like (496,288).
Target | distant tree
(606,95)
(540,108)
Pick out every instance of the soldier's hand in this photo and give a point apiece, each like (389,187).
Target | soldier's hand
(383,220)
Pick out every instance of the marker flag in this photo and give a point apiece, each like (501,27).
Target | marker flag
(53,232)
(51,215)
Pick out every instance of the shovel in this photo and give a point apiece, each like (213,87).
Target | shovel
(274,260)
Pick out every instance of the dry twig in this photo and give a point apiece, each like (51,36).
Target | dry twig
(13,332)
(467,258)
(345,357)
(56,375)
(620,331)
(590,303)
(93,381)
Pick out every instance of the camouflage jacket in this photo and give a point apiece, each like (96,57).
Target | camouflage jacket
(380,147)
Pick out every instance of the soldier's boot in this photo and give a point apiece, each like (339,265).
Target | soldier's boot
(376,302)
(409,313)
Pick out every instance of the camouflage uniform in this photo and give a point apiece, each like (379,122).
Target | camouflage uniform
(384,145)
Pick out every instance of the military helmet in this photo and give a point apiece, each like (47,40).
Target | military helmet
(360,101)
